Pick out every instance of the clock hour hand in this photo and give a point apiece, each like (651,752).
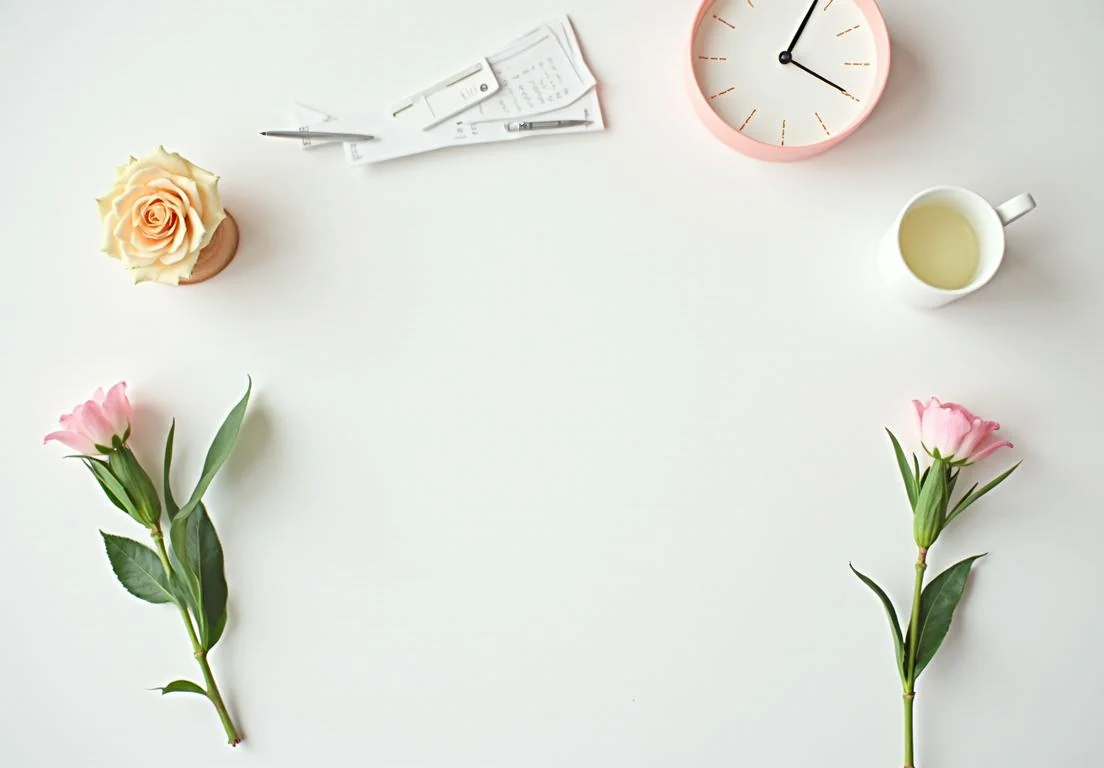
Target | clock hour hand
(801,29)
(823,79)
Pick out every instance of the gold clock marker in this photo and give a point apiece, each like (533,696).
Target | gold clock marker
(748,118)
(848,95)
(782,141)
(856,63)
(713,58)
(828,4)
(724,21)
(822,125)
(722,93)
(852,29)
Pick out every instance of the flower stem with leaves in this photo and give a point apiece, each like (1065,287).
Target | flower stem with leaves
(187,572)
(212,691)
(953,438)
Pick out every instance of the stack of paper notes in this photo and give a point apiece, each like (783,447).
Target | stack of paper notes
(536,80)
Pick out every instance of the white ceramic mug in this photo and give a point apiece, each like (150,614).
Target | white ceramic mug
(988,224)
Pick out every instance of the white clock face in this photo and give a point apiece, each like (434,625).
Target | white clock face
(781,92)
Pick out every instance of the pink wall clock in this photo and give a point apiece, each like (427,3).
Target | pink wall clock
(787,79)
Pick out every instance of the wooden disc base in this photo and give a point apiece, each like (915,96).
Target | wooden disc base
(218,253)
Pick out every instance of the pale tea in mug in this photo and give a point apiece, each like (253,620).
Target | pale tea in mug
(939,246)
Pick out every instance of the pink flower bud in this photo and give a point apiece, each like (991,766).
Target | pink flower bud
(950,432)
(99,426)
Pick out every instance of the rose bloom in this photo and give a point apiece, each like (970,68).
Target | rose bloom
(159,215)
(97,426)
(952,433)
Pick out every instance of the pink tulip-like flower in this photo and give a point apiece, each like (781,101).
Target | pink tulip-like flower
(952,433)
(92,428)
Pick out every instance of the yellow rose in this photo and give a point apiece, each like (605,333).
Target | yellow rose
(160,214)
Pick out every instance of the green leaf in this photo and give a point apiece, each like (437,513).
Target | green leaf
(181,686)
(219,451)
(111,486)
(916,468)
(139,569)
(906,473)
(185,583)
(133,476)
(197,549)
(217,625)
(937,606)
(894,624)
(973,495)
(170,503)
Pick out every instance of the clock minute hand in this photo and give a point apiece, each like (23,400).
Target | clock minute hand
(803,68)
(801,29)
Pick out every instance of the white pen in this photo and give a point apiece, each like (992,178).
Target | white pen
(539,125)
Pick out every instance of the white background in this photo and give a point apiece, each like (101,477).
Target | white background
(560,448)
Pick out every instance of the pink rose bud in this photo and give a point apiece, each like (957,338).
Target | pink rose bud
(99,426)
(950,432)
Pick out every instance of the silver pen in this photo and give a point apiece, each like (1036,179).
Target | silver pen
(538,125)
(325,135)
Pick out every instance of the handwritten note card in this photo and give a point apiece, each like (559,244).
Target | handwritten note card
(542,75)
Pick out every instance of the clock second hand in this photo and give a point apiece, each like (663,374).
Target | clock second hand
(823,79)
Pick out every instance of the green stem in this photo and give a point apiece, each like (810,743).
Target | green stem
(914,639)
(198,650)
(909,698)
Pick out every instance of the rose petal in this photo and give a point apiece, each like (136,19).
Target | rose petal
(180,254)
(135,260)
(156,215)
(96,426)
(78,443)
(110,244)
(169,161)
(122,172)
(141,204)
(984,452)
(200,235)
(144,244)
(943,429)
(211,210)
(979,433)
(123,232)
(124,204)
(157,220)
(919,415)
(103,204)
(185,188)
(117,408)
(169,189)
(170,274)
(143,175)
(961,409)
(180,232)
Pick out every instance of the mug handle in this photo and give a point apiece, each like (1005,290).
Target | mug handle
(1015,208)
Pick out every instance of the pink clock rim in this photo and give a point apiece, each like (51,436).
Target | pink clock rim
(762,151)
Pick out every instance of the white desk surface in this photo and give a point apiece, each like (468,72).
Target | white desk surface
(560,448)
